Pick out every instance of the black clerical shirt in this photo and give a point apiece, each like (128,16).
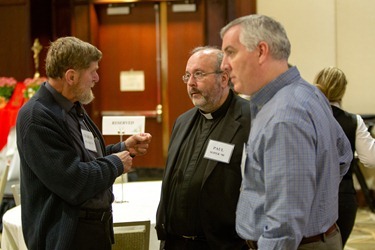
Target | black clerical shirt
(189,169)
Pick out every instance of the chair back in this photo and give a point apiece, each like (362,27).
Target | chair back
(131,235)
(16,191)
(3,181)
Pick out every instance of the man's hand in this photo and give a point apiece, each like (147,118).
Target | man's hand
(138,144)
(126,159)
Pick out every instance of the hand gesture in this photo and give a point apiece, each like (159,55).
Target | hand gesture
(138,144)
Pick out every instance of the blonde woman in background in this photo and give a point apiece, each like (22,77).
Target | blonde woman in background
(332,82)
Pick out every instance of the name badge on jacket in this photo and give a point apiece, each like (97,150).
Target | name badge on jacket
(219,151)
(88,140)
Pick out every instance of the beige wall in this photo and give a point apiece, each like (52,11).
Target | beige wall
(332,33)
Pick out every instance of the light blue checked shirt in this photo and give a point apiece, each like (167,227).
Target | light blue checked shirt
(296,156)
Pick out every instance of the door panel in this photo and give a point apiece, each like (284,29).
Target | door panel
(138,41)
(185,32)
(128,42)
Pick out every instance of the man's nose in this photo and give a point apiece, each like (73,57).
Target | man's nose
(225,66)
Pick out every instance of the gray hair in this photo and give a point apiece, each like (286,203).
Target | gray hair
(216,50)
(258,28)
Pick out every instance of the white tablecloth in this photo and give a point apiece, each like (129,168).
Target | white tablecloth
(140,203)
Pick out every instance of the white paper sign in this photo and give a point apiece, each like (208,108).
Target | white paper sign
(125,125)
(219,151)
(132,80)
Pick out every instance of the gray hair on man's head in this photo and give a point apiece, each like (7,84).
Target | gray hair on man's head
(258,28)
(216,50)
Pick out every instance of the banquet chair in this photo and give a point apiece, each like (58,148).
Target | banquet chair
(16,193)
(133,235)
(3,182)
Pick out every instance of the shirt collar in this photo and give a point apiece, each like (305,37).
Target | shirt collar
(60,99)
(221,110)
(260,98)
(336,104)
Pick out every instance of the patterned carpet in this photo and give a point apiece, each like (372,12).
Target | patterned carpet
(363,234)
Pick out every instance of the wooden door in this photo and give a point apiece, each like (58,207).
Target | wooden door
(128,43)
(157,41)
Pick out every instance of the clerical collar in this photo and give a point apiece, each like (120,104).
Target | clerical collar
(208,115)
(220,111)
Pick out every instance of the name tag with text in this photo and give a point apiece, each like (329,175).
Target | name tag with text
(88,140)
(219,151)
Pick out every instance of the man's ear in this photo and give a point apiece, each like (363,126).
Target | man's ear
(263,49)
(70,76)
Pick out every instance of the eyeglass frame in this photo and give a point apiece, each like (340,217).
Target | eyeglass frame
(198,75)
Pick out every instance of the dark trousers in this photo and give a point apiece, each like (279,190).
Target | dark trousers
(92,235)
(175,243)
(347,213)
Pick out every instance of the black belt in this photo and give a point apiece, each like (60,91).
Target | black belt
(305,240)
(190,237)
(97,215)
(252,244)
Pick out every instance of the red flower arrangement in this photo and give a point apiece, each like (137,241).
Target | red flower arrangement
(7,85)
(32,86)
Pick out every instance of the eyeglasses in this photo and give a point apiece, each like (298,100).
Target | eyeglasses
(198,75)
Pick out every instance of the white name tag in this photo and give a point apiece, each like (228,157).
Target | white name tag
(88,140)
(219,151)
(243,160)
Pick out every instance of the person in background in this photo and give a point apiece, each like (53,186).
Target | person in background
(202,178)
(67,172)
(297,153)
(332,82)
